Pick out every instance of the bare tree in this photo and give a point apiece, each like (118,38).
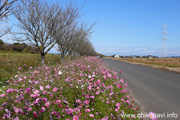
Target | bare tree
(75,40)
(65,40)
(40,21)
(5,7)
(81,41)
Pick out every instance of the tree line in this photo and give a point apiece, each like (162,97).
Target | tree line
(45,25)
(19,47)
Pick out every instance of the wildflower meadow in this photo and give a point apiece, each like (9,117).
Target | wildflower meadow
(82,89)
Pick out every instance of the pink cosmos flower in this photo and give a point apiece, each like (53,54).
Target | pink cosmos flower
(2,95)
(152,116)
(87,110)
(55,89)
(60,105)
(98,81)
(20,79)
(17,118)
(121,80)
(87,96)
(20,68)
(89,87)
(44,92)
(91,115)
(86,101)
(78,101)
(48,86)
(16,109)
(97,93)
(33,95)
(114,77)
(109,75)
(92,97)
(37,100)
(81,74)
(29,109)
(53,113)
(34,112)
(77,110)
(41,87)
(41,111)
(122,100)
(47,104)
(118,104)
(10,90)
(58,101)
(43,108)
(75,117)
(36,92)
(70,110)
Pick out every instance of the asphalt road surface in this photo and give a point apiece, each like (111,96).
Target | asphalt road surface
(155,90)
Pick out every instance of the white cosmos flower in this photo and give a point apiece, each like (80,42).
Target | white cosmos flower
(89,76)
(60,73)
(76,86)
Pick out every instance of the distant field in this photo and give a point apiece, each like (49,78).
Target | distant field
(166,62)
(10,62)
(171,64)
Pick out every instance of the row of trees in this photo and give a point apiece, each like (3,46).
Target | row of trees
(47,24)
(20,47)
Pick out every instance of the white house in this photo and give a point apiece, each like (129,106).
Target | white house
(116,56)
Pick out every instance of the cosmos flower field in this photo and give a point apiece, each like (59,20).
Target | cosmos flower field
(83,89)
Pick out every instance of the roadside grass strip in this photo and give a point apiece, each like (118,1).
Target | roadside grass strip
(84,89)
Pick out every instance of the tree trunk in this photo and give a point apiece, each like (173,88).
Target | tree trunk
(70,56)
(43,58)
(62,57)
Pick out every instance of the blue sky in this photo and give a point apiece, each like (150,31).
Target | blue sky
(129,27)
(132,27)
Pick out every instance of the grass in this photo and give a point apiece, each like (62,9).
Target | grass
(162,62)
(10,62)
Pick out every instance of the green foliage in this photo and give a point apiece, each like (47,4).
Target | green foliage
(16,43)
(19,47)
(1,42)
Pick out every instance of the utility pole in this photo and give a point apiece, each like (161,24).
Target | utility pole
(164,39)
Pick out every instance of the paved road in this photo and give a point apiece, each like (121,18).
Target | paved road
(155,90)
